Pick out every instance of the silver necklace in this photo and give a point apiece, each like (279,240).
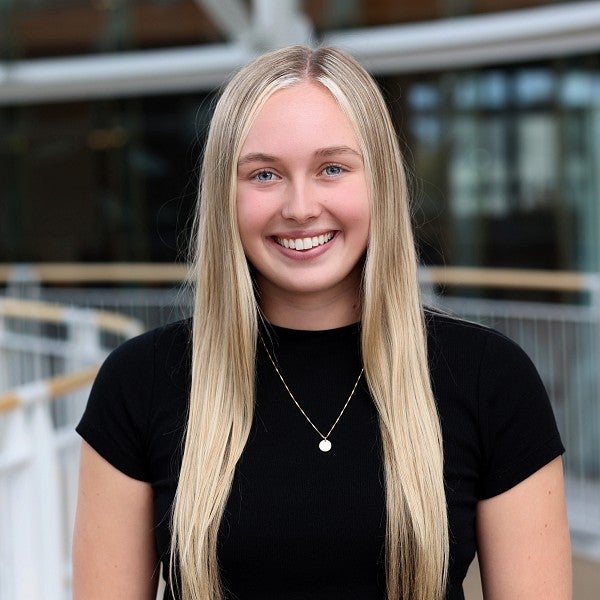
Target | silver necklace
(324,444)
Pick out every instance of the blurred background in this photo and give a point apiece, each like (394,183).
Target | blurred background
(104,106)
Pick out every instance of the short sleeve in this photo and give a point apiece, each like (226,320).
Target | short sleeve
(519,432)
(115,420)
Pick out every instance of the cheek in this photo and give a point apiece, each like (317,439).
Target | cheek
(246,212)
(358,212)
(244,224)
(363,225)
(251,220)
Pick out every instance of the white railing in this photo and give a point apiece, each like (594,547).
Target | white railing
(39,449)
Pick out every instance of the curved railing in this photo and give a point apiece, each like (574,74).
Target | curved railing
(49,356)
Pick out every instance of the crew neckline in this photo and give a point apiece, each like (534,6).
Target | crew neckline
(287,333)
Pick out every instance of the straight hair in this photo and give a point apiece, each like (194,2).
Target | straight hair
(393,342)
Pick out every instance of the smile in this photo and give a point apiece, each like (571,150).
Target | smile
(305,243)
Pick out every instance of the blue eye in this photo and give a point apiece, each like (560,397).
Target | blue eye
(332,170)
(264,176)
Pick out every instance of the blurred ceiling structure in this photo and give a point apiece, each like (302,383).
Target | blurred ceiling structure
(249,28)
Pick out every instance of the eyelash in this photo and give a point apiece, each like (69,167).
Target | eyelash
(257,174)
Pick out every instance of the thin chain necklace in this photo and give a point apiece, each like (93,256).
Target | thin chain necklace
(324,444)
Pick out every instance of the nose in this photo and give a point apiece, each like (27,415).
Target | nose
(301,203)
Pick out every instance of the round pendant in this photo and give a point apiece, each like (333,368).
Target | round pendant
(324,445)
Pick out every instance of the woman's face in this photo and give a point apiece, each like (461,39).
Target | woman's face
(302,200)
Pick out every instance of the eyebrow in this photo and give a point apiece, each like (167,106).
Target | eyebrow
(256,157)
(332,150)
(321,152)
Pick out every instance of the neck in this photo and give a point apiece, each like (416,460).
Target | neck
(311,311)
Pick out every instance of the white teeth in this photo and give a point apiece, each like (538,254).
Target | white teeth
(305,243)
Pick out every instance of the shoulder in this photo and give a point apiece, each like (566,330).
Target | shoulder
(141,388)
(488,389)
(162,341)
(150,366)
(474,350)
(478,358)
(162,349)
(447,332)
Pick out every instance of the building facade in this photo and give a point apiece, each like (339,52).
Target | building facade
(104,106)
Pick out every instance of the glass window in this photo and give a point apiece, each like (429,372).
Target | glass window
(534,86)
(45,28)
(104,180)
(510,164)
(423,96)
(576,89)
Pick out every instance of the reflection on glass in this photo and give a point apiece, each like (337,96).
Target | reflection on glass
(534,86)
(517,153)
(537,160)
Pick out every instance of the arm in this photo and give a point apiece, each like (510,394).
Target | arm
(523,540)
(114,554)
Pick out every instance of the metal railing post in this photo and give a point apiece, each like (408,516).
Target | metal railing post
(18,542)
(45,473)
(23,282)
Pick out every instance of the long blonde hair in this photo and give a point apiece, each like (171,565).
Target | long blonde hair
(393,336)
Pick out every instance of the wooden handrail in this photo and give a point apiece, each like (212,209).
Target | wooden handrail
(63,384)
(52,388)
(524,279)
(73,273)
(31,310)
(36,310)
(161,273)
(9,401)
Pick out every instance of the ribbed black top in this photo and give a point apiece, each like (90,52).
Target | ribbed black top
(301,523)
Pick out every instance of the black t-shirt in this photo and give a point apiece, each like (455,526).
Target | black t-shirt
(301,523)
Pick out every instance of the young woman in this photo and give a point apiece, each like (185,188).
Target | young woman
(312,432)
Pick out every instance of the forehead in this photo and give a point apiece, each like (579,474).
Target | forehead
(303,114)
